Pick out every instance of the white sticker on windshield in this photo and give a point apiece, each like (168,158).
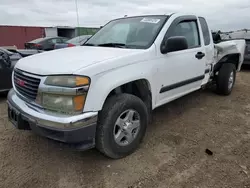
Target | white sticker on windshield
(150,20)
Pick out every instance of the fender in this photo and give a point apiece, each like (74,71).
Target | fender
(103,84)
(230,51)
(231,58)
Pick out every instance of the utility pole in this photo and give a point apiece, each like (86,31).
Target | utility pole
(77,16)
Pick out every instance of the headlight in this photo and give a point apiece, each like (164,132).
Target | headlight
(63,103)
(65,97)
(67,81)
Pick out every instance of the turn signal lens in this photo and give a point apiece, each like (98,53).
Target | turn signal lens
(79,102)
(80,81)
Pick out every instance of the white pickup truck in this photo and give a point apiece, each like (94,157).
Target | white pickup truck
(102,94)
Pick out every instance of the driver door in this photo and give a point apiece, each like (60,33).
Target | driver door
(182,72)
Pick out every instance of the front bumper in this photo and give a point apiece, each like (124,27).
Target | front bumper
(75,129)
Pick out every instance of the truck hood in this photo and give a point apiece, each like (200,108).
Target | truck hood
(69,60)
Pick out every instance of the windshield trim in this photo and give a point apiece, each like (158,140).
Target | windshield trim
(153,39)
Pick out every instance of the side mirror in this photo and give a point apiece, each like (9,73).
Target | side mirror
(173,44)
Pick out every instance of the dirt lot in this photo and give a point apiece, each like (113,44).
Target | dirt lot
(172,154)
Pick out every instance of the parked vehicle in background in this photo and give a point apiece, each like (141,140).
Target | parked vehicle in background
(102,94)
(247,53)
(22,52)
(8,59)
(7,62)
(14,56)
(237,35)
(46,43)
(77,41)
(25,52)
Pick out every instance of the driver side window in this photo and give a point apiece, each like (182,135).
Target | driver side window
(188,29)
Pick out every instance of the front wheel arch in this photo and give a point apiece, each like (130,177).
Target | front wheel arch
(140,88)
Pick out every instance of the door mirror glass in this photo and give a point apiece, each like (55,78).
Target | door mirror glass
(173,44)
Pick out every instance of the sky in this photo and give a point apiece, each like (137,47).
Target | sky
(221,14)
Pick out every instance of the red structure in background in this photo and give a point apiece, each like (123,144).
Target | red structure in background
(18,35)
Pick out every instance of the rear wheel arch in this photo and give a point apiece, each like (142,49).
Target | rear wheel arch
(230,58)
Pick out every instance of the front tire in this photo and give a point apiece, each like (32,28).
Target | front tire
(226,79)
(121,125)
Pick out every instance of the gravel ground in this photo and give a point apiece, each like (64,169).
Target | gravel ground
(172,154)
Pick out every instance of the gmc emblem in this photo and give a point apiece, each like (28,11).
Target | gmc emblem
(20,82)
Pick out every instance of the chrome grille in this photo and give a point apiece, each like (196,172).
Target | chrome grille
(26,85)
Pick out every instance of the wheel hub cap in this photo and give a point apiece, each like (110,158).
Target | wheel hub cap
(231,80)
(126,127)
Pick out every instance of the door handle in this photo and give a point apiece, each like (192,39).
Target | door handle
(200,55)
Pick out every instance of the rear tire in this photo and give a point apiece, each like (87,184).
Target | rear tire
(109,140)
(226,79)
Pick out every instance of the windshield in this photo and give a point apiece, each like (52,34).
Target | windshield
(79,39)
(135,32)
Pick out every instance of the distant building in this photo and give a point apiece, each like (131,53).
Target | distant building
(69,32)
(18,35)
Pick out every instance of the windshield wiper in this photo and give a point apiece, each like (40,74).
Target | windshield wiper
(117,45)
(88,44)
